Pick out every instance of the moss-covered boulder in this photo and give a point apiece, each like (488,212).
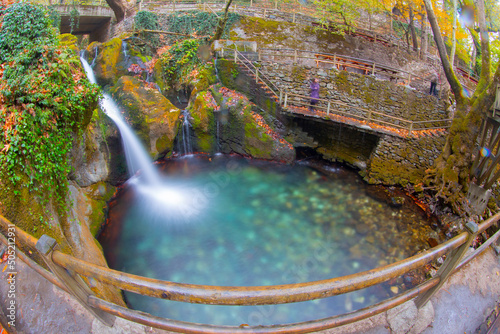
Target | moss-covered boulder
(246,132)
(113,60)
(69,41)
(203,122)
(154,118)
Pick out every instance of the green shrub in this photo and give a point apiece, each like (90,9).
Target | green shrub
(25,27)
(45,100)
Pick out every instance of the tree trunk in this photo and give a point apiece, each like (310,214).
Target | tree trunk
(413,32)
(453,36)
(119,7)
(476,60)
(222,24)
(424,42)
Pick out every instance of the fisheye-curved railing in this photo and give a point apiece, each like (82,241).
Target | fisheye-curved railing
(65,270)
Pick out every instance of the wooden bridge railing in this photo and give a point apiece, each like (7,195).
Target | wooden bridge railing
(66,271)
(367,116)
(334,107)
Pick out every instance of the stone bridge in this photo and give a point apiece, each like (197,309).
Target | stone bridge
(93,20)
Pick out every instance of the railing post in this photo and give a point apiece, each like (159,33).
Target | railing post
(286,100)
(410,129)
(74,283)
(294,56)
(281,96)
(293,19)
(235,54)
(276,4)
(222,52)
(369,116)
(256,75)
(258,55)
(251,3)
(449,265)
(265,10)
(409,79)
(373,69)
(328,109)
(335,60)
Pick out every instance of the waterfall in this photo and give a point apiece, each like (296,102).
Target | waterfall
(124,50)
(215,67)
(95,57)
(149,79)
(187,147)
(137,158)
(217,136)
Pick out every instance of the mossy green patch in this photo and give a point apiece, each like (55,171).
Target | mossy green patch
(154,118)
(69,41)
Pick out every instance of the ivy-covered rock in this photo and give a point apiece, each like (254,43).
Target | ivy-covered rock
(154,118)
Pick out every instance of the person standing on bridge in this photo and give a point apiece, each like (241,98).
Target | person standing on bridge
(314,93)
(434,80)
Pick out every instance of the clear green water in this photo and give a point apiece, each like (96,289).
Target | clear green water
(233,222)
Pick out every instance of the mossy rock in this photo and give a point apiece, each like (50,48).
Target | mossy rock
(29,213)
(112,62)
(154,118)
(203,122)
(247,133)
(69,41)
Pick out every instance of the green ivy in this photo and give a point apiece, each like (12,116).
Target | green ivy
(25,26)
(46,100)
(181,64)
(149,21)
(74,18)
(146,20)
(197,23)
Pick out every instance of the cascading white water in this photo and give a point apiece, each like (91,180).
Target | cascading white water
(186,135)
(158,197)
(137,158)
(124,50)
(95,57)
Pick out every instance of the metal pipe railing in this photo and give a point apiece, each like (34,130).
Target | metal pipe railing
(366,114)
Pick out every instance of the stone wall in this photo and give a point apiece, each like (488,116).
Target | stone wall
(401,161)
(358,90)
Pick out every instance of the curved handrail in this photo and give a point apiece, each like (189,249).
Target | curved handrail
(254,295)
(294,328)
(371,277)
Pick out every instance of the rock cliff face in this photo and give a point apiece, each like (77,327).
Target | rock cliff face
(154,118)
(225,118)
